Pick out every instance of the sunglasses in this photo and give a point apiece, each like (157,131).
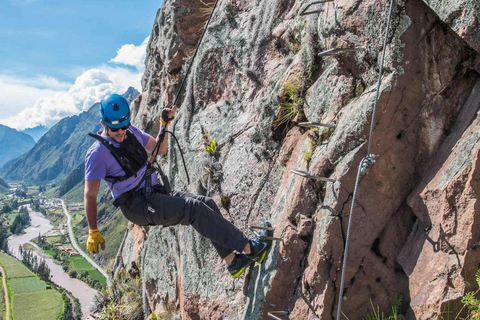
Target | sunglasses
(122,128)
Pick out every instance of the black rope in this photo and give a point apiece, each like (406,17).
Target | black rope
(165,113)
(181,153)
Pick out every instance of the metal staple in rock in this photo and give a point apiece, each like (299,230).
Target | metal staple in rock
(365,163)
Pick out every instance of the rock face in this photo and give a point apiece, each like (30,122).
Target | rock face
(257,74)
(462,16)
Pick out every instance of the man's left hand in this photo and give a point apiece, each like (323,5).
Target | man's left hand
(168,115)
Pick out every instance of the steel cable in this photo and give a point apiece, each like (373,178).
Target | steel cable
(364,164)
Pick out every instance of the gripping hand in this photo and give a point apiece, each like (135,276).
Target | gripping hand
(167,116)
(94,239)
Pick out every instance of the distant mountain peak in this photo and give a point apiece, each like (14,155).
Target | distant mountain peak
(36,132)
(14,144)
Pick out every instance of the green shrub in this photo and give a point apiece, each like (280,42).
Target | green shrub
(394,311)
(471,302)
(123,300)
(211,147)
(292,103)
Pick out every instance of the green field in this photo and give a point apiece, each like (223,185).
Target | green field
(95,274)
(9,217)
(49,252)
(13,267)
(53,239)
(2,303)
(77,217)
(26,285)
(41,305)
(80,264)
(29,296)
(32,190)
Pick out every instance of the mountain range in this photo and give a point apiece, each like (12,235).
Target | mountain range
(59,151)
(13,144)
(3,184)
(36,132)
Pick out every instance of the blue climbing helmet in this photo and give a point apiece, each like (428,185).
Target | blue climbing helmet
(115,111)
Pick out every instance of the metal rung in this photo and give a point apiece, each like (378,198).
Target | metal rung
(335,51)
(271,238)
(264,237)
(311,176)
(315,124)
(304,13)
(262,228)
(274,314)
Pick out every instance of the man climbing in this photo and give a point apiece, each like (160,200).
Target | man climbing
(120,158)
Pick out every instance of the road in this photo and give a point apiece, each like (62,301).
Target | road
(77,247)
(7,304)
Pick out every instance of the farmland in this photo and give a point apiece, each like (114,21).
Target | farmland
(31,298)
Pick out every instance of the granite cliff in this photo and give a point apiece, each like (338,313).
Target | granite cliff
(258,74)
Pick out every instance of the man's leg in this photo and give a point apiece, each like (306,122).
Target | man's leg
(187,209)
(203,214)
(212,205)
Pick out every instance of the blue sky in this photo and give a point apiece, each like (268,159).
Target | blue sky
(57,57)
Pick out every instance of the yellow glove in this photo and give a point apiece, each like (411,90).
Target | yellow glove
(94,239)
(167,116)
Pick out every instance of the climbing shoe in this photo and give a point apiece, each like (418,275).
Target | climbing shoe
(240,263)
(259,249)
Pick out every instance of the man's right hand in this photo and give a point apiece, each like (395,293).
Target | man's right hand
(94,239)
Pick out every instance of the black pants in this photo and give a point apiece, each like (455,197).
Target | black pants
(187,209)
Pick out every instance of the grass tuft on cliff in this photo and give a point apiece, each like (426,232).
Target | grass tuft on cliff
(123,300)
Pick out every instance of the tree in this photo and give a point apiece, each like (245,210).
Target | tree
(43,270)
(6,208)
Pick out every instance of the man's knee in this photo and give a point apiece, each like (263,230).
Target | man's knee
(211,204)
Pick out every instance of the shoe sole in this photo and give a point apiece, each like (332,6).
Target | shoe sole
(239,272)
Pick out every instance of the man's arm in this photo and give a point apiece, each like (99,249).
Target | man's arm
(90,200)
(152,142)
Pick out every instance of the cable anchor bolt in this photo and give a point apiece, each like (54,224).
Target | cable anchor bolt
(335,51)
(253,228)
(315,124)
(367,163)
(274,314)
(304,11)
(308,175)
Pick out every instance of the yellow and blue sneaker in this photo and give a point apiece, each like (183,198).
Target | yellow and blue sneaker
(239,264)
(259,249)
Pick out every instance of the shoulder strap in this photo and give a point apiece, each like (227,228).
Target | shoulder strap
(103,141)
(110,147)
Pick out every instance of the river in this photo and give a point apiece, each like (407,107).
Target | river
(79,289)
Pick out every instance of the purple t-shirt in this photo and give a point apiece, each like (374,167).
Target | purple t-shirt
(99,163)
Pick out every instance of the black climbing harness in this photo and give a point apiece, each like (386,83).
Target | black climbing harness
(132,156)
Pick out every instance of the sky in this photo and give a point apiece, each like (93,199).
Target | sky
(59,57)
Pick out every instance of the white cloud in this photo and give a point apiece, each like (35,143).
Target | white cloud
(40,82)
(132,55)
(44,100)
